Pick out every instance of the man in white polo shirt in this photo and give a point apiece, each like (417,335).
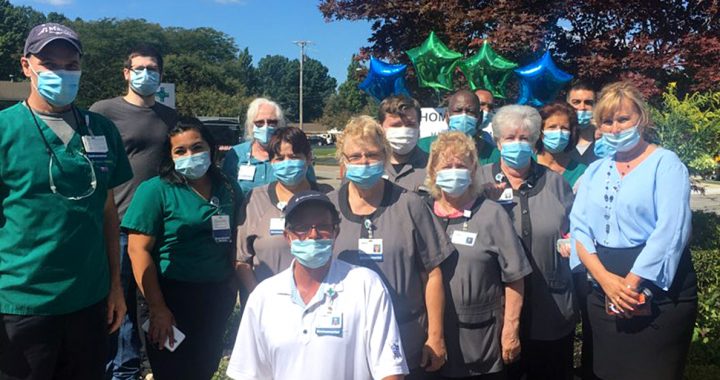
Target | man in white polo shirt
(320,318)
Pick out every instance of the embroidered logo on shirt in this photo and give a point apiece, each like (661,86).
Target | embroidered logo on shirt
(395,348)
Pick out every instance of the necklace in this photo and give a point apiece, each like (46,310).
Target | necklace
(611,191)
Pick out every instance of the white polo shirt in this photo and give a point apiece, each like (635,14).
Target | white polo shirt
(347,331)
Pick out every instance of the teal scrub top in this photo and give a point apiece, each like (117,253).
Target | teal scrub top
(487,153)
(52,249)
(181,222)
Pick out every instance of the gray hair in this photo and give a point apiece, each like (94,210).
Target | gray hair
(514,116)
(253,110)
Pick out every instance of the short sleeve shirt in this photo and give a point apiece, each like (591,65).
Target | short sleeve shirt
(52,248)
(413,242)
(267,249)
(181,222)
(539,211)
(347,331)
(488,255)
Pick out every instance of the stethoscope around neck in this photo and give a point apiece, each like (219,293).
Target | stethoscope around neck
(93,178)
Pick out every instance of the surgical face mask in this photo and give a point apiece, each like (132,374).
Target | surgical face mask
(290,172)
(623,141)
(145,82)
(402,139)
(487,118)
(59,87)
(602,149)
(194,166)
(516,154)
(312,253)
(584,118)
(556,141)
(453,182)
(463,123)
(365,176)
(263,134)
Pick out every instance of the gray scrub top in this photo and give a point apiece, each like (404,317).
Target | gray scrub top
(540,210)
(475,278)
(414,242)
(269,253)
(410,175)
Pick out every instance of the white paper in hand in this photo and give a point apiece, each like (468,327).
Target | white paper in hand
(179,336)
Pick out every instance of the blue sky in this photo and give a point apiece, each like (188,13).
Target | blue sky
(265,26)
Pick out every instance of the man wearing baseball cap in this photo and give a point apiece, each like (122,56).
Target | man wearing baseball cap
(320,318)
(60,291)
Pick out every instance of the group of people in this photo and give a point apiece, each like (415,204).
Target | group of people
(469,254)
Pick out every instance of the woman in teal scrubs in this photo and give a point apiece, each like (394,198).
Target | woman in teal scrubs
(181,226)
(557,140)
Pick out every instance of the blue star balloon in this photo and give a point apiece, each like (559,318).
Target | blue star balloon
(540,81)
(384,79)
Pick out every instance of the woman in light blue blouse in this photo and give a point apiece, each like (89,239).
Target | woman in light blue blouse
(630,225)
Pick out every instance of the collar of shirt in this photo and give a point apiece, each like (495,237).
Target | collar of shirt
(330,286)
(534,181)
(417,159)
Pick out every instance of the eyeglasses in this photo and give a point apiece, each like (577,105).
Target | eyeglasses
(93,180)
(357,158)
(138,70)
(303,230)
(268,122)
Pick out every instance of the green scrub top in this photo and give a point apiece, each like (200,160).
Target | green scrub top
(52,249)
(487,153)
(181,222)
(573,172)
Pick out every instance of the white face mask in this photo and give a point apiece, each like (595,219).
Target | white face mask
(402,139)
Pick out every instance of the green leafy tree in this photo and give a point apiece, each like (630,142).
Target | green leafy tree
(15,24)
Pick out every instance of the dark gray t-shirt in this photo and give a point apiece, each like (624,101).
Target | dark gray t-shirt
(413,243)
(143,131)
(410,175)
(539,211)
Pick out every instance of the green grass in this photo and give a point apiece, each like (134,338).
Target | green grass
(324,155)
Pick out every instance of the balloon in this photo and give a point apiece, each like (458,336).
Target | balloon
(487,70)
(540,81)
(434,63)
(384,79)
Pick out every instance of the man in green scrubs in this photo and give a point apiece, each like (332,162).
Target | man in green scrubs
(60,291)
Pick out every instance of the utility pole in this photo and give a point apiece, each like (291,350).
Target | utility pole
(302,44)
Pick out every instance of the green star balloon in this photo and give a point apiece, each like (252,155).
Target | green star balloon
(487,70)
(434,63)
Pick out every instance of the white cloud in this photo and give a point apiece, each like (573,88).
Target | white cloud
(225,2)
(57,3)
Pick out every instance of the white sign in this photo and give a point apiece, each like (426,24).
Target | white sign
(432,121)
(166,94)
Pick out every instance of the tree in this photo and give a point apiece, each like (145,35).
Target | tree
(349,101)
(652,42)
(14,28)
(279,78)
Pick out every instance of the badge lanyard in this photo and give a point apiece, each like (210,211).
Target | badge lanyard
(53,156)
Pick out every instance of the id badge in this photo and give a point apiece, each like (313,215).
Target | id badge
(246,172)
(506,196)
(95,144)
(371,249)
(464,238)
(277,226)
(221,228)
(329,324)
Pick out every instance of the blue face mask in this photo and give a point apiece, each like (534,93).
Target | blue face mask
(584,118)
(365,176)
(516,154)
(290,172)
(263,134)
(556,141)
(453,182)
(194,166)
(602,149)
(59,87)
(145,82)
(463,123)
(623,141)
(312,253)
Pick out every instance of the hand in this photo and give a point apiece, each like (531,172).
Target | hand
(509,344)
(621,294)
(564,250)
(161,326)
(434,355)
(494,190)
(116,308)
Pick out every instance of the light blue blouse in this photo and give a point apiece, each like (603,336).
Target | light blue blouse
(651,205)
